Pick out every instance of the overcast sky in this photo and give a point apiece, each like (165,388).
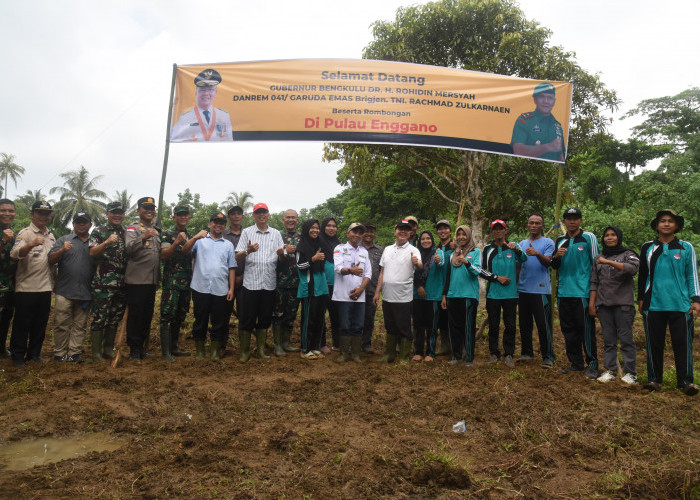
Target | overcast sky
(88,82)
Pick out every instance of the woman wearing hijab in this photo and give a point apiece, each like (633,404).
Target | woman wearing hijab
(312,290)
(460,295)
(427,294)
(612,301)
(329,240)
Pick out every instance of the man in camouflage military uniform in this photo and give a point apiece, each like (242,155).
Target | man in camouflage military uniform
(108,248)
(286,301)
(8,267)
(176,247)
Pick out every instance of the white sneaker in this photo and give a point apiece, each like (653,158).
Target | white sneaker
(629,379)
(606,377)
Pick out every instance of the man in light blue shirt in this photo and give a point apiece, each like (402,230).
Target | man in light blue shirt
(535,292)
(213,277)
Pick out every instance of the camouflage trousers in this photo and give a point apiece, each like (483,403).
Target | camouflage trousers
(174,305)
(108,306)
(285,308)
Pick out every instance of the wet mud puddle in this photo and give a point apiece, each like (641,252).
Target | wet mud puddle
(26,454)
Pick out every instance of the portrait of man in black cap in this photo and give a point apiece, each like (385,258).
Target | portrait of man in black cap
(204,122)
(538,134)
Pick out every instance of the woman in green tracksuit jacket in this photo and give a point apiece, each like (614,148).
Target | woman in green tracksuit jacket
(460,295)
(669,295)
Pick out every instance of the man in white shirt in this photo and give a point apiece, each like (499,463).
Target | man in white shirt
(260,247)
(398,263)
(353,271)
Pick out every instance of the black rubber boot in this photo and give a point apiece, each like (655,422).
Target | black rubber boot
(344,350)
(108,342)
(96,345)
(165,344)
(286,335)
(260,336)
(244,336)
(277,338)
(355,348)
(390,350)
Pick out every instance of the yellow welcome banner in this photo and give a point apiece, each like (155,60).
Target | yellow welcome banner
(366,101)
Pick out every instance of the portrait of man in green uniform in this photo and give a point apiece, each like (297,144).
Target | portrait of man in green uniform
(538,134)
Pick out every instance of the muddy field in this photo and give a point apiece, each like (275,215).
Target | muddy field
(287,427)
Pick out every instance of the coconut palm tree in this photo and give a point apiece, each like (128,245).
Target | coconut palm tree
(29,197)
(9,169)
(78,194)
(243,200)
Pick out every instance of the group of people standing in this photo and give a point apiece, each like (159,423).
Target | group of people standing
(429,288)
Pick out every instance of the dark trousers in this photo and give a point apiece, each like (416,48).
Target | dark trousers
(351,317)
(616,325)
(255,311)
(680,326)
(539,307)
(509,308)
(333,315)
(578,328)
(313,315)
(425,317)
(208,307)
(7,310)
(397,319)
(462,320)
(232,307)
(141,300)
(370,313)
(31,317)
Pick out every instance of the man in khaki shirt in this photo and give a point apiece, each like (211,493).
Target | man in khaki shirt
(142,276)
(33,285)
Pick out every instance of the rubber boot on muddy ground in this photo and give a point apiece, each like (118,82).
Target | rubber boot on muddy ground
(405,354)
(200,351)
(244,336)
(165,344)
(389,350)
(344,350)
(174,338)
(215,349)
(108,342)
(286,335)
(261,336)
(355,347)
(96,345)
(145,354)
(277,338)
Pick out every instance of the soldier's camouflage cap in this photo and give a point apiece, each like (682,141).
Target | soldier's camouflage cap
(181,209)
(115,206)
(544,88)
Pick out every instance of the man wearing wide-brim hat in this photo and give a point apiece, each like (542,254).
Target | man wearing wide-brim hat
(204,122)
(669,297)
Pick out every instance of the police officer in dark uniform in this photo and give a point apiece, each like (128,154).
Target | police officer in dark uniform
(538,134)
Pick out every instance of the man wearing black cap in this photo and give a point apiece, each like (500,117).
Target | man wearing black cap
(398,263)
(108,248)
(444,233)
(71,254)
(33,285)
(142,274)
(233,234)
(176,247)
(574,255)
(669,297)
(212,285)
(204,122)
(8,266)
(375,255)
(538,134)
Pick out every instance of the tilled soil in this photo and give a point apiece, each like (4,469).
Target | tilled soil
(287,427)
